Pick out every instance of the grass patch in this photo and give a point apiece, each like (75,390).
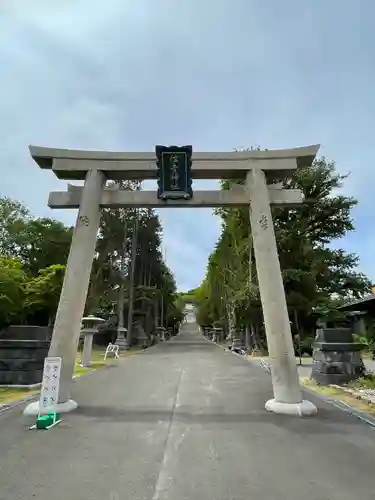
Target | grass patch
(80,370)
(367,382)
(255,354)
(97,359)
(10,395)
(340,395)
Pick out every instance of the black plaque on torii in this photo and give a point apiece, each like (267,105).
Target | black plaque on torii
(174,172)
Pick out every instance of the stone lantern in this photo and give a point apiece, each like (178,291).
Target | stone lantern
(89,329)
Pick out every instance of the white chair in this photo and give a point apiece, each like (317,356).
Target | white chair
(112,348)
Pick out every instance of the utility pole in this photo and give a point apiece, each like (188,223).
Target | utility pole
(164,252)
(162,308)
(249,327)
(121,330)
(132,275)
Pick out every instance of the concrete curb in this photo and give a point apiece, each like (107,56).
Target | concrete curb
(19,402)
(5,407)
(356,394)
(341,405)
(219,345)
(228,350)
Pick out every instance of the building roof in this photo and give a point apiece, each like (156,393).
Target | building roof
(365,304)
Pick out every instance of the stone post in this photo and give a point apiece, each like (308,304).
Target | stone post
(74,291)
(121,337)
(87,347)
(285,381)
(121,330)
(360,325)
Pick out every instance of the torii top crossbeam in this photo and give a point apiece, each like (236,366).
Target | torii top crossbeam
(74,164)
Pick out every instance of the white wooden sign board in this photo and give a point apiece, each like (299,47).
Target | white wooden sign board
(49,393)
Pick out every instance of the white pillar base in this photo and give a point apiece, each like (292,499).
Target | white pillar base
(303,409)
(33,408)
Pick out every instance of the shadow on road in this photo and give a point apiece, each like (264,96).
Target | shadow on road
(158,415)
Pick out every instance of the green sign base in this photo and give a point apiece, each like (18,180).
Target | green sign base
(45,422)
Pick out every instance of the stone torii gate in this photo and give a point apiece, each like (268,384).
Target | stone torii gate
(259,169)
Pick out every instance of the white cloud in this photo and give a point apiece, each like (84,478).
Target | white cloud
(123,75)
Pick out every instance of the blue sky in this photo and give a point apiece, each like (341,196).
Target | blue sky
(218,74)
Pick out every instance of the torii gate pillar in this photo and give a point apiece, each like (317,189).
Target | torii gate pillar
(66,329)
(285,380)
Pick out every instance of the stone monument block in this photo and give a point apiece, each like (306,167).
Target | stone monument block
(336,358)
(22,352)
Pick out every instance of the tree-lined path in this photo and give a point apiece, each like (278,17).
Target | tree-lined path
(185,420)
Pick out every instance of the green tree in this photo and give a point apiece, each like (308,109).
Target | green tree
(12,284)
(43,291)
(42,243)
(312,269)
(13,216)
(37,242)
(129,236)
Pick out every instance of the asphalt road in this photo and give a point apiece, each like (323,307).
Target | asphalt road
(185,420)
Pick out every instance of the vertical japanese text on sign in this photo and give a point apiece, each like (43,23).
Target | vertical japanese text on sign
(174,172)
